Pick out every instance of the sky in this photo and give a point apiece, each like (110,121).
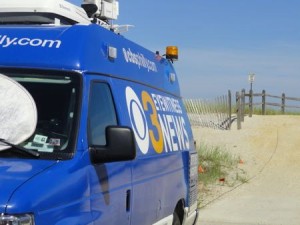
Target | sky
(221,42)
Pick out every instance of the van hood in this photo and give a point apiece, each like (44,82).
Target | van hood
(15,172)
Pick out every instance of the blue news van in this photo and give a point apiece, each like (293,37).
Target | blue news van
(111,142)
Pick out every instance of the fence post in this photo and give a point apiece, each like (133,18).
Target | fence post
(238,110)
(263,105)
(230,105)
(250,103)
(283,103)
(243,102)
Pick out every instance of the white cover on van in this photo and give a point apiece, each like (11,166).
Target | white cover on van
(18,113)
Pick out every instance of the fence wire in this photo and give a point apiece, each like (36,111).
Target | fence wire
(209,113)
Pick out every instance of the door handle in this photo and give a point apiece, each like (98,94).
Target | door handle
(128,197)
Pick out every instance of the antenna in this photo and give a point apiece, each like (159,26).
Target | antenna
(103,12)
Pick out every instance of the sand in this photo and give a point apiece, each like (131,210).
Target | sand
(269,147)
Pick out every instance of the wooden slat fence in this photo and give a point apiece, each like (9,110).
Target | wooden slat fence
(219,113)
(214,113)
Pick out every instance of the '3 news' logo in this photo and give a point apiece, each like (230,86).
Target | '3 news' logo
(166,130)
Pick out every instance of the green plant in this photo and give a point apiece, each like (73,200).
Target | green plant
(270,111)
(215,162)
(218,167)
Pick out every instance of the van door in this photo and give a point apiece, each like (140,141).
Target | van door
(159,174)
(110,183)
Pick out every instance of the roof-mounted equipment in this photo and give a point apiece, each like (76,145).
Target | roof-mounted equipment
(103,12)
(58,12)
(61,12)
(172,53)
(101,9)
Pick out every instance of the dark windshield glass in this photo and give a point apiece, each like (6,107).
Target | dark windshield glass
(32,18)
(56,99)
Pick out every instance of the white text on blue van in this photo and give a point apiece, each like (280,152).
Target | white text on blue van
(166,130)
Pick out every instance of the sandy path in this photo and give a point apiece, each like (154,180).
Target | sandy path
(270,148)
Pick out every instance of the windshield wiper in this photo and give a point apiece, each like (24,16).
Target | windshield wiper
(20,148)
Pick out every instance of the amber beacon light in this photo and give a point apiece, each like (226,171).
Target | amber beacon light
(172,53)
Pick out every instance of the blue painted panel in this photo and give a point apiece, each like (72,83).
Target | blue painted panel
(13,173)
(158,119)
(52,193)
(160,172)
(83,48)
(110,182)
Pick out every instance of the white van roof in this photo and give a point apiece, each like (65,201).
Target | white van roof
(38,11)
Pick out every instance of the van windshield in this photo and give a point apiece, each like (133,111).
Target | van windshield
(56,98)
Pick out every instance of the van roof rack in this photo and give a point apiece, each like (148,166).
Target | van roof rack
(61,12)
(58,12)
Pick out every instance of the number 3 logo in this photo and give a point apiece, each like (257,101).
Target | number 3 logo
(156,142)
(143,134)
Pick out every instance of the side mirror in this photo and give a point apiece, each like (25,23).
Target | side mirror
(120,146)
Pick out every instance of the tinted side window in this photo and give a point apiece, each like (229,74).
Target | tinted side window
(101,113)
